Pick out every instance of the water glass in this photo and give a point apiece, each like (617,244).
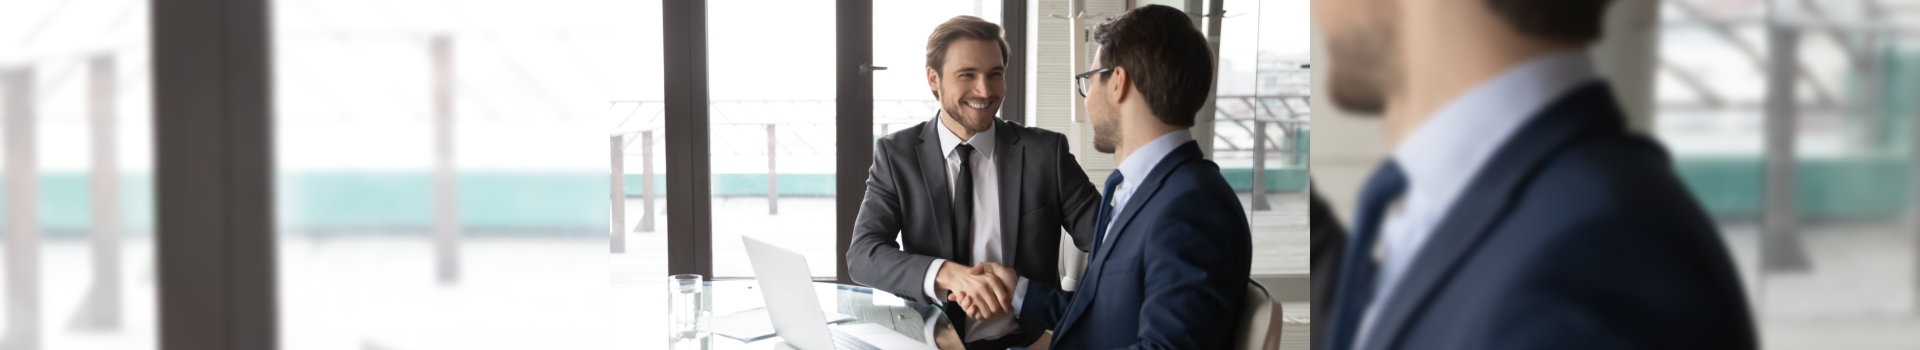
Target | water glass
(686,322)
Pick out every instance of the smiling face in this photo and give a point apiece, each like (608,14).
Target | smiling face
(970,83)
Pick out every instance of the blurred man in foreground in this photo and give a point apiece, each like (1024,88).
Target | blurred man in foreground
(1529,217)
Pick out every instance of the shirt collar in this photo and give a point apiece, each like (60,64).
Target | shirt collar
(982,141)
(1136,166)
(1444,153)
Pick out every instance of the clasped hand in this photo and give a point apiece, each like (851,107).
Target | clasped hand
(985,290)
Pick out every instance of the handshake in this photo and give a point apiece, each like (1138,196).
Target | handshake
(985,290)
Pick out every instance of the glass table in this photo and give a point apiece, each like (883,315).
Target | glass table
(732,304)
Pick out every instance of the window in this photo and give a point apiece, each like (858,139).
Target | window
(1261,126)
(772,130)
(1824,236)
(443,168)
(76,159)
(638,264)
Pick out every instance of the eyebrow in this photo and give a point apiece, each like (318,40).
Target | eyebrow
(971,69)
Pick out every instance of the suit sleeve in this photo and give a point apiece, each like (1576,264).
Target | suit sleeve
(1196,266)
(1045,305)
(874,259)
(1078,199)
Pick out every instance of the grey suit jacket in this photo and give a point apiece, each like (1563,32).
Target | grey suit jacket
(1042,190)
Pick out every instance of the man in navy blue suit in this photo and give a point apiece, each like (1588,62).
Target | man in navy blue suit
(1171,248)
(1529,216)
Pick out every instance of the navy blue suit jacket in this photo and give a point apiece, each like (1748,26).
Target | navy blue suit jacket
(1171,275)
(1575,235)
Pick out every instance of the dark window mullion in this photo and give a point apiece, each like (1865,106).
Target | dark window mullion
(853,124)
(690,225)
(213,186)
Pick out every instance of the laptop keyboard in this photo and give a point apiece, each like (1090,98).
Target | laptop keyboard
(844,341)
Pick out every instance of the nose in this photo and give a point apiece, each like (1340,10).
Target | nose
(981,88)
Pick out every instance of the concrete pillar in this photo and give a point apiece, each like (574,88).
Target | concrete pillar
(446,215)
(646,181)
(23,211)
(1913,205)
(618,236)
(1260,165)
(101,309)
(772,177)
(1780,248)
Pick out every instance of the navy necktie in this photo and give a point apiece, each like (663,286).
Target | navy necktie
(1355,288)
(1105,214)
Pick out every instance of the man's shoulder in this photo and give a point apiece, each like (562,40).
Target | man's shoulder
(901,140)
(1609,187)
(1620,171)
(1048,137)
(1196,185)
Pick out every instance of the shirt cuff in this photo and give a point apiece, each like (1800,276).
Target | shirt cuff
(1019,295)
(933,270)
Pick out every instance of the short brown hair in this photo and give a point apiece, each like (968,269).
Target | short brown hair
(1165,55)
(1574,21)
(962,27)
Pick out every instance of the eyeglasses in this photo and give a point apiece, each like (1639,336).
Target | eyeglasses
(1080,81)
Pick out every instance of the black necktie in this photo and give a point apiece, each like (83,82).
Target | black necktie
(963,207)
(1356,265)
(1105,214)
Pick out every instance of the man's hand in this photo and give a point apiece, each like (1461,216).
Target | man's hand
(979,294)
(963,286)
(984,306)
(1006,274)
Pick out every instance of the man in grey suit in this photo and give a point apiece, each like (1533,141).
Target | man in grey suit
(965,190)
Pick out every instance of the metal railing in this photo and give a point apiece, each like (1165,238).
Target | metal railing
(1241,125)
(1252,127)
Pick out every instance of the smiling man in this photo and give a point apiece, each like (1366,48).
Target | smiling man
(967,204)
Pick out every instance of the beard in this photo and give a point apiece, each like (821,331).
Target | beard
(960,114)
(1106,134)
(1361,69)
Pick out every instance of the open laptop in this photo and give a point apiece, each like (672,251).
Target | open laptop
(796,314)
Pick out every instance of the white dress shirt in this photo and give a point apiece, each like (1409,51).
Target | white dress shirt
(1444,154)
(986,221)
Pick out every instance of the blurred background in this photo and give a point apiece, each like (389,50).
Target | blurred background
(1794,123)
(438,184)
(443,170)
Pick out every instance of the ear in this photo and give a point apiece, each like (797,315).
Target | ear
(1119,84)
(933,81)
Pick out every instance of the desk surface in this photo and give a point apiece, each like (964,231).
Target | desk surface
(867,306)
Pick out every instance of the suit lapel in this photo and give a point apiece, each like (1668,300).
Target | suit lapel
(1008,158)
(933,172)
(1580,113)
(1141,195)
(1147,187)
